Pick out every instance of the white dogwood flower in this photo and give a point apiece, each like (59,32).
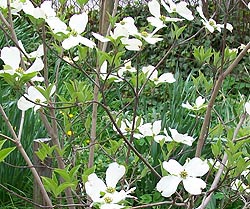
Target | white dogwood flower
(77,24)
(180,8)
(153,130)
(210,24)
(238,185)
(106,194)
(126,126)
(199,104)
(127,67)
(34,99)
(180,138)
(152,74)
(157,19)
(187,173)
(11,57)
(106,76)
(44,11)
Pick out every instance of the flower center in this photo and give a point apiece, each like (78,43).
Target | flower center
(108,199)
(128,67)
(20,70)
(38,101)
(110,189)
(183,174)
(144,34)
(212,22)
(127,129)
(74,33)
(162,18)
(122,22)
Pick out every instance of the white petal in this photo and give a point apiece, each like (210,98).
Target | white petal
(132,44)
(24,104)
(248,5)
(159,138)
(53,90)
(28,8)
(166,6)
(148,69)
(168,185)
(153,76)
(167,77)
(120,32)
(38,53)
(70,42)
(146,129)
(46,6)
(154,8)
(38,13)
(56,25)
(173,167)
(86,42)
(196,167)
(37,78)
(229,27)
(22,48)
(78,22)
(194,186)
(103,70)
(181,138)
(11,57)
(94,186)
(3,4)
(173,19)
(34,94)
(100,37)
(199,101)
(152,40)
(157,127)
(182,10)
(111,206)
(114,173)
(155,22)
(247,107)
(187,105)
(119,196)
(200,11)
(36,66)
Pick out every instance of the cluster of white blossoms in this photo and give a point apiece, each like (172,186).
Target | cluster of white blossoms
(150,72)
(106,195)
(153,130)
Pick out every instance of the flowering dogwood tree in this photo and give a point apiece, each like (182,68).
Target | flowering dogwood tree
(101,103)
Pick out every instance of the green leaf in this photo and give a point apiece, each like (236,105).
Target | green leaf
(5,152)
(2,143)
(26,77)
(64,174)
(82,2)
(62,187)
(73,171)
(216,148)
